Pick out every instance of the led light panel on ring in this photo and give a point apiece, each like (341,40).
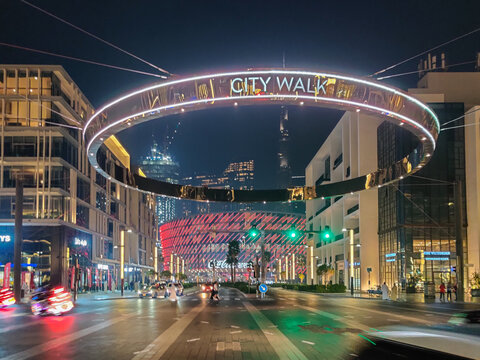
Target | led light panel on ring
(266,87)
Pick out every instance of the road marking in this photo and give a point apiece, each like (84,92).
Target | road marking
(236,346)
(267,333)
(341,319)
(192,340)
(15,327)
(237,298)
(220,346)
(284,348)
(160,345)
(44,347)
(393,320)
(235,327)
(236,332)
(308,342)
(204,322)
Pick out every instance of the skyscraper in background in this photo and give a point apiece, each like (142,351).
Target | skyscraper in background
(160,166)
(284,173)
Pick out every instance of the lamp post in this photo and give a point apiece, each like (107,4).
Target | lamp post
(122,259)
(351,258)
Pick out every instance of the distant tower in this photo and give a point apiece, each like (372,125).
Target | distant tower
(284,176)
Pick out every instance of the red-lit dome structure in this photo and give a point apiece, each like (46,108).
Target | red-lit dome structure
(192,243)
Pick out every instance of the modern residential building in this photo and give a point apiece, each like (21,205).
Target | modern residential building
(349,151)
(403,233)
(417,216)
(160,166)
(71,214)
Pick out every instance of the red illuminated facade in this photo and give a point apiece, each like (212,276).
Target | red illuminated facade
(198,240)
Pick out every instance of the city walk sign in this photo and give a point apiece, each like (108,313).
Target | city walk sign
(285,87)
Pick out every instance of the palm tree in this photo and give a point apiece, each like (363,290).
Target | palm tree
(323,270)
(232,256)
(166,274)
(181,277)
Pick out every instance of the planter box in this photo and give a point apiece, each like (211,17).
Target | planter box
(410,289)
(475,292)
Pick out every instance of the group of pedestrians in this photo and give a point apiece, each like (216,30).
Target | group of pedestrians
(448,289)
(393,294)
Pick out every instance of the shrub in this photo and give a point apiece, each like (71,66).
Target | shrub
(333,288)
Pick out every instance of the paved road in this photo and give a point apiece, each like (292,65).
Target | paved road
(286,325)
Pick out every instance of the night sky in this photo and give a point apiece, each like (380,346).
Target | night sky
(186,37)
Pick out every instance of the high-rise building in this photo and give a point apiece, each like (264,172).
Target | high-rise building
(70,212)
(237,175)
(284,173)
(160,166)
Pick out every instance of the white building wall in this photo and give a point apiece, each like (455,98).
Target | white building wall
(355,138)
(472,176)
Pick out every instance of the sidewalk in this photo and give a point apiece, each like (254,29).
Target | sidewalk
(403,297)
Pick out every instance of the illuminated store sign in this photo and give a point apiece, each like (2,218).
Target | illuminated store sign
(222,264)
(390,257)
(291,84)
(79,242)
(102,266)
(5,238)
(436,253)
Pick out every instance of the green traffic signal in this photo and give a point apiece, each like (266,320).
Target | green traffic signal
(327,233)
(293,233)
(253,232)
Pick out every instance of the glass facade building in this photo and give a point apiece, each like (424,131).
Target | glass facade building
(417,215)
(70,213)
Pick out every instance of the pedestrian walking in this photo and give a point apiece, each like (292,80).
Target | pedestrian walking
(455,290)
(442,292)
(385,292)
(394,292)
(449,291)
(173,292)
(215,289)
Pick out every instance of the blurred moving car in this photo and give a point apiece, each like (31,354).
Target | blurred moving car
(207,287)
(51,300)
(149,291)
(419,343)
(6,297)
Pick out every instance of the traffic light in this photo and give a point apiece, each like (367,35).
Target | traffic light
(293,233)
(253,232)
(327,234)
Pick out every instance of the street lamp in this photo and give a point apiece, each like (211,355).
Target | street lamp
(122,259)
(351,234)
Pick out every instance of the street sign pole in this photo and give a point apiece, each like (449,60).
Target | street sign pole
(18,240)
(459,240)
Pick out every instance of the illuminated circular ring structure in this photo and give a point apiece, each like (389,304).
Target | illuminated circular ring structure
(269,86)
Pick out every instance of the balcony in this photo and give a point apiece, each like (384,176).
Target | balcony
(322,179)
(338,161)
(352,209)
